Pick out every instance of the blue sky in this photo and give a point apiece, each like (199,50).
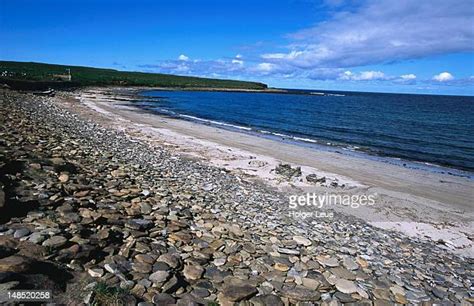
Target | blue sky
(388,46)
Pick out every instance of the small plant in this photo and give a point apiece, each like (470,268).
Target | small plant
(106,295)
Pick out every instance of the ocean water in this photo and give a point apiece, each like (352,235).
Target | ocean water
(425,129)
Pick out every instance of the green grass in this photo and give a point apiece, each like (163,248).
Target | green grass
(86,76)
(109,296)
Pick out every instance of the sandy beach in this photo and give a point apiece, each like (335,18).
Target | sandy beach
(418,203)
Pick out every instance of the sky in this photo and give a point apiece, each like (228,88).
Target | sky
(407,46)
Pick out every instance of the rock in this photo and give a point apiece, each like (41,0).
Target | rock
(55,242)
(97,272)
(302,240)
(314,179)
(328,261)
(281,267)
(267,300)
(112,268)
(142,267)
(346,286)
(63,178)
(288,251)
(310,283)
(37,238)
(159,277)
(287,171)
(193,272)
(237,292)
(219,261)
(170,259)
(139,224)
(300,293)
(22,232)
(350,264)
(7,286)
(15,263)
(163,299)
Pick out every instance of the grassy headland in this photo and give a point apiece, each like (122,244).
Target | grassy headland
(17,73)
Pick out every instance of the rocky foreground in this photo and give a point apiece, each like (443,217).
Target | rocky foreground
(98,217)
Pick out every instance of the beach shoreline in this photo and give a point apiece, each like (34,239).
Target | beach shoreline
(99,202)
(418,203)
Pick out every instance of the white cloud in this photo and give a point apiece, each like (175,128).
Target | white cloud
(183,57)
(363,76)
(443,77)
(408,77)
(265,67)
(381,31)
(237,62)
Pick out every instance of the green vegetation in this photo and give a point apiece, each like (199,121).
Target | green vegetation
(110,296)
(84,76)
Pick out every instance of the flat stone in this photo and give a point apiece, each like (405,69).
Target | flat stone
(142,267)
(328,261)
(219,261)
(346,286)
(37,238)
(63,178)
(55,242)
(193,272)
(343,273)
(288,251)
(300,293)
(163,299)
(311,283)
(238,292)
(139,224)
(15,263)
(159,277)
(302,240)
(281,267)
(171,259)
(22,232)
(350,264)
(97,272)
(267,300)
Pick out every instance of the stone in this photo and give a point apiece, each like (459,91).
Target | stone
(302,240)
(37,238)
(22,232)
(219,261)
(281,267)
(288,251)
(328,261)
(139,224)
(193,272)
(63,178)
(159,277)
(15,263)
(314,179)
(287,171)
(267,300)
(55,242)
(349,264)
(311,283)
(346,286)
(163,299)
(97,272)
(237,292)
(300,293)
(170,259)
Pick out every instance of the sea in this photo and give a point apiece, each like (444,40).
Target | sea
(428,132)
